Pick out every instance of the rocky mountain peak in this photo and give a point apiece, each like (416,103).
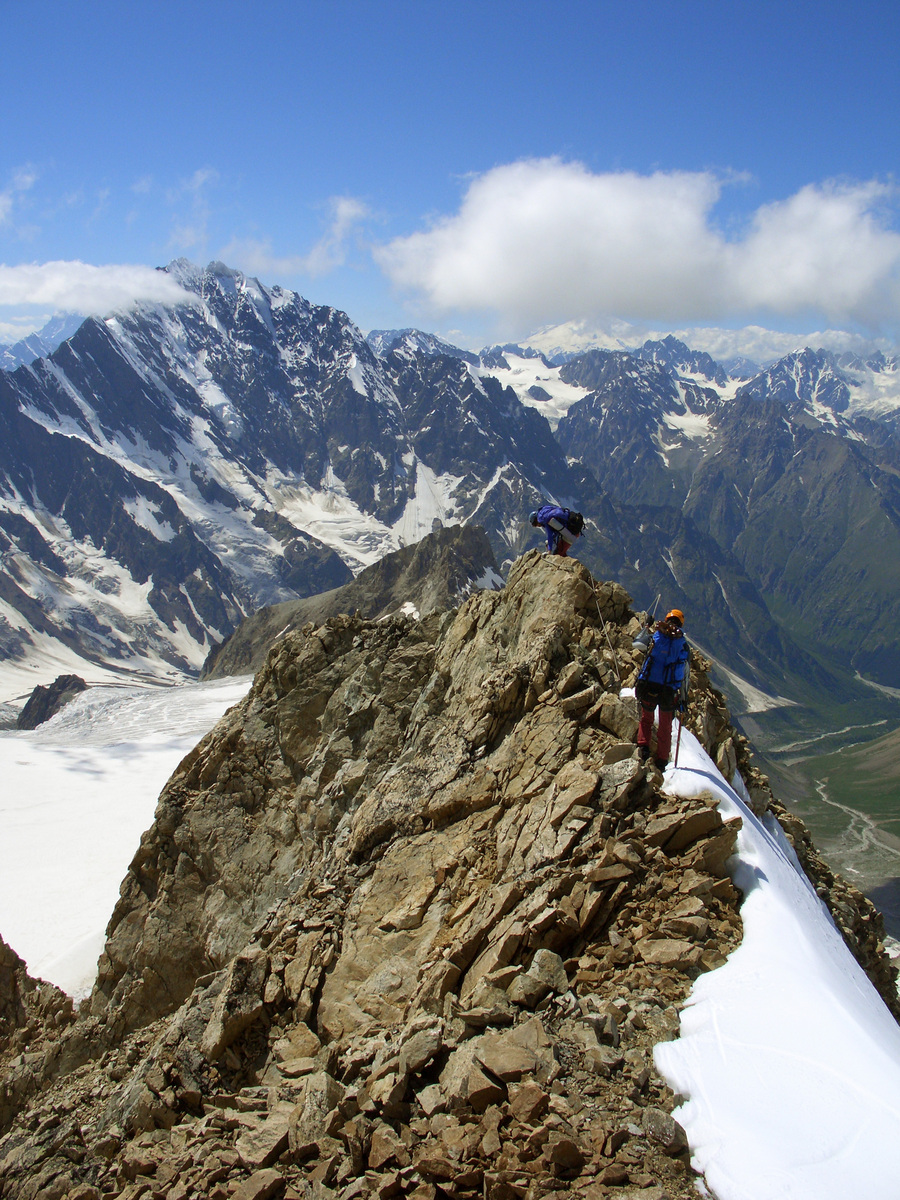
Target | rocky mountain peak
(409,919)
(672,353)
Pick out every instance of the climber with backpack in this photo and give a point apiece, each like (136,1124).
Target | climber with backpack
(561,525)
(662,683)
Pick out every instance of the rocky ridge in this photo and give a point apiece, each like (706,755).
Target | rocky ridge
(438,572)
(408,923)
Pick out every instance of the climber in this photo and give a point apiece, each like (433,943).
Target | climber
(561,525)
(663,683)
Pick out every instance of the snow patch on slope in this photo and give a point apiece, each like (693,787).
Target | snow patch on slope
(788,1059)
(526,373)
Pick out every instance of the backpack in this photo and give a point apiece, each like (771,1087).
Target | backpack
(573,521)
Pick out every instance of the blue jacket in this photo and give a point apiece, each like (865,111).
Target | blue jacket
(553,519)
(667,661)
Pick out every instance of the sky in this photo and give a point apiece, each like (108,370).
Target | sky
(475,170)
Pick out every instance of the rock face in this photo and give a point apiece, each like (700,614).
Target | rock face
(438,572)
(408,922)
(45,702)
(27,1006)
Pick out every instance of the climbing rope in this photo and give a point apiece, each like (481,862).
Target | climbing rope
(605,630)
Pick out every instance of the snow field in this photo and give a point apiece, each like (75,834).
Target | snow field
(77,794)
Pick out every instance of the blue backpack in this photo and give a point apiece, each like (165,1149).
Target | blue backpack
(667,661)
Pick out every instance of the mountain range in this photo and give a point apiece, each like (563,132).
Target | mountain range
(167,472)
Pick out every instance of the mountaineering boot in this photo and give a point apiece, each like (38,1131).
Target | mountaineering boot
(661,763)
(644,752)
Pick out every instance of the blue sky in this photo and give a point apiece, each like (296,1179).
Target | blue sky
(476,169)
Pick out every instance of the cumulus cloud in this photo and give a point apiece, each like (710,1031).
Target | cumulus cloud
(544,240)
(328,254)
(764,346)
(83,288)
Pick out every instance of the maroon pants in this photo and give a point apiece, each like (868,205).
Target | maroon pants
(663,732)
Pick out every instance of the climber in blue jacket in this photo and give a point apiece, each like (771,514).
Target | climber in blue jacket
(561,525)
(662,683)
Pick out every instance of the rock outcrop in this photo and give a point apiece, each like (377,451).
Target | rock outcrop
(408,922)
(29,1009)
(45,702)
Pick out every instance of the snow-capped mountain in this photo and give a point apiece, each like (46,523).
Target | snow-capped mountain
(794,474)
(39,344)
(166,472)
(558,343)
(830,387)
(169,470)
(383,341)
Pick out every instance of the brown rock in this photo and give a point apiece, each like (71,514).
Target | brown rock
(620,715)
(261,1146)
(527,1101)
(436,1166)
(695,928)
(698,824)
(549,968)
(614,1175)
(505,1059)
(386,1148)
(315,1115)
(563,1154)
(527,991)
(661,828)
(299,1042)
(603,1059)
(712,855)
(481,1091)
(419,1050)
(609,874)
(668,952)
(260,1185)
(432,1099)
(665,1130)
(239,1003)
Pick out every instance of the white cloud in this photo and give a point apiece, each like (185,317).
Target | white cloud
(23,179)
(543,241)
(764,346)
(191,229)
(328,254)
(755,342)
(83,288)
(20,327)
(828,248)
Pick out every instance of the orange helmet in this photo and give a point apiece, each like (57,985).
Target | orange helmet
(675,614)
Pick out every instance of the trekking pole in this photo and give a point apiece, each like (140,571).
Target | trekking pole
(678,739)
